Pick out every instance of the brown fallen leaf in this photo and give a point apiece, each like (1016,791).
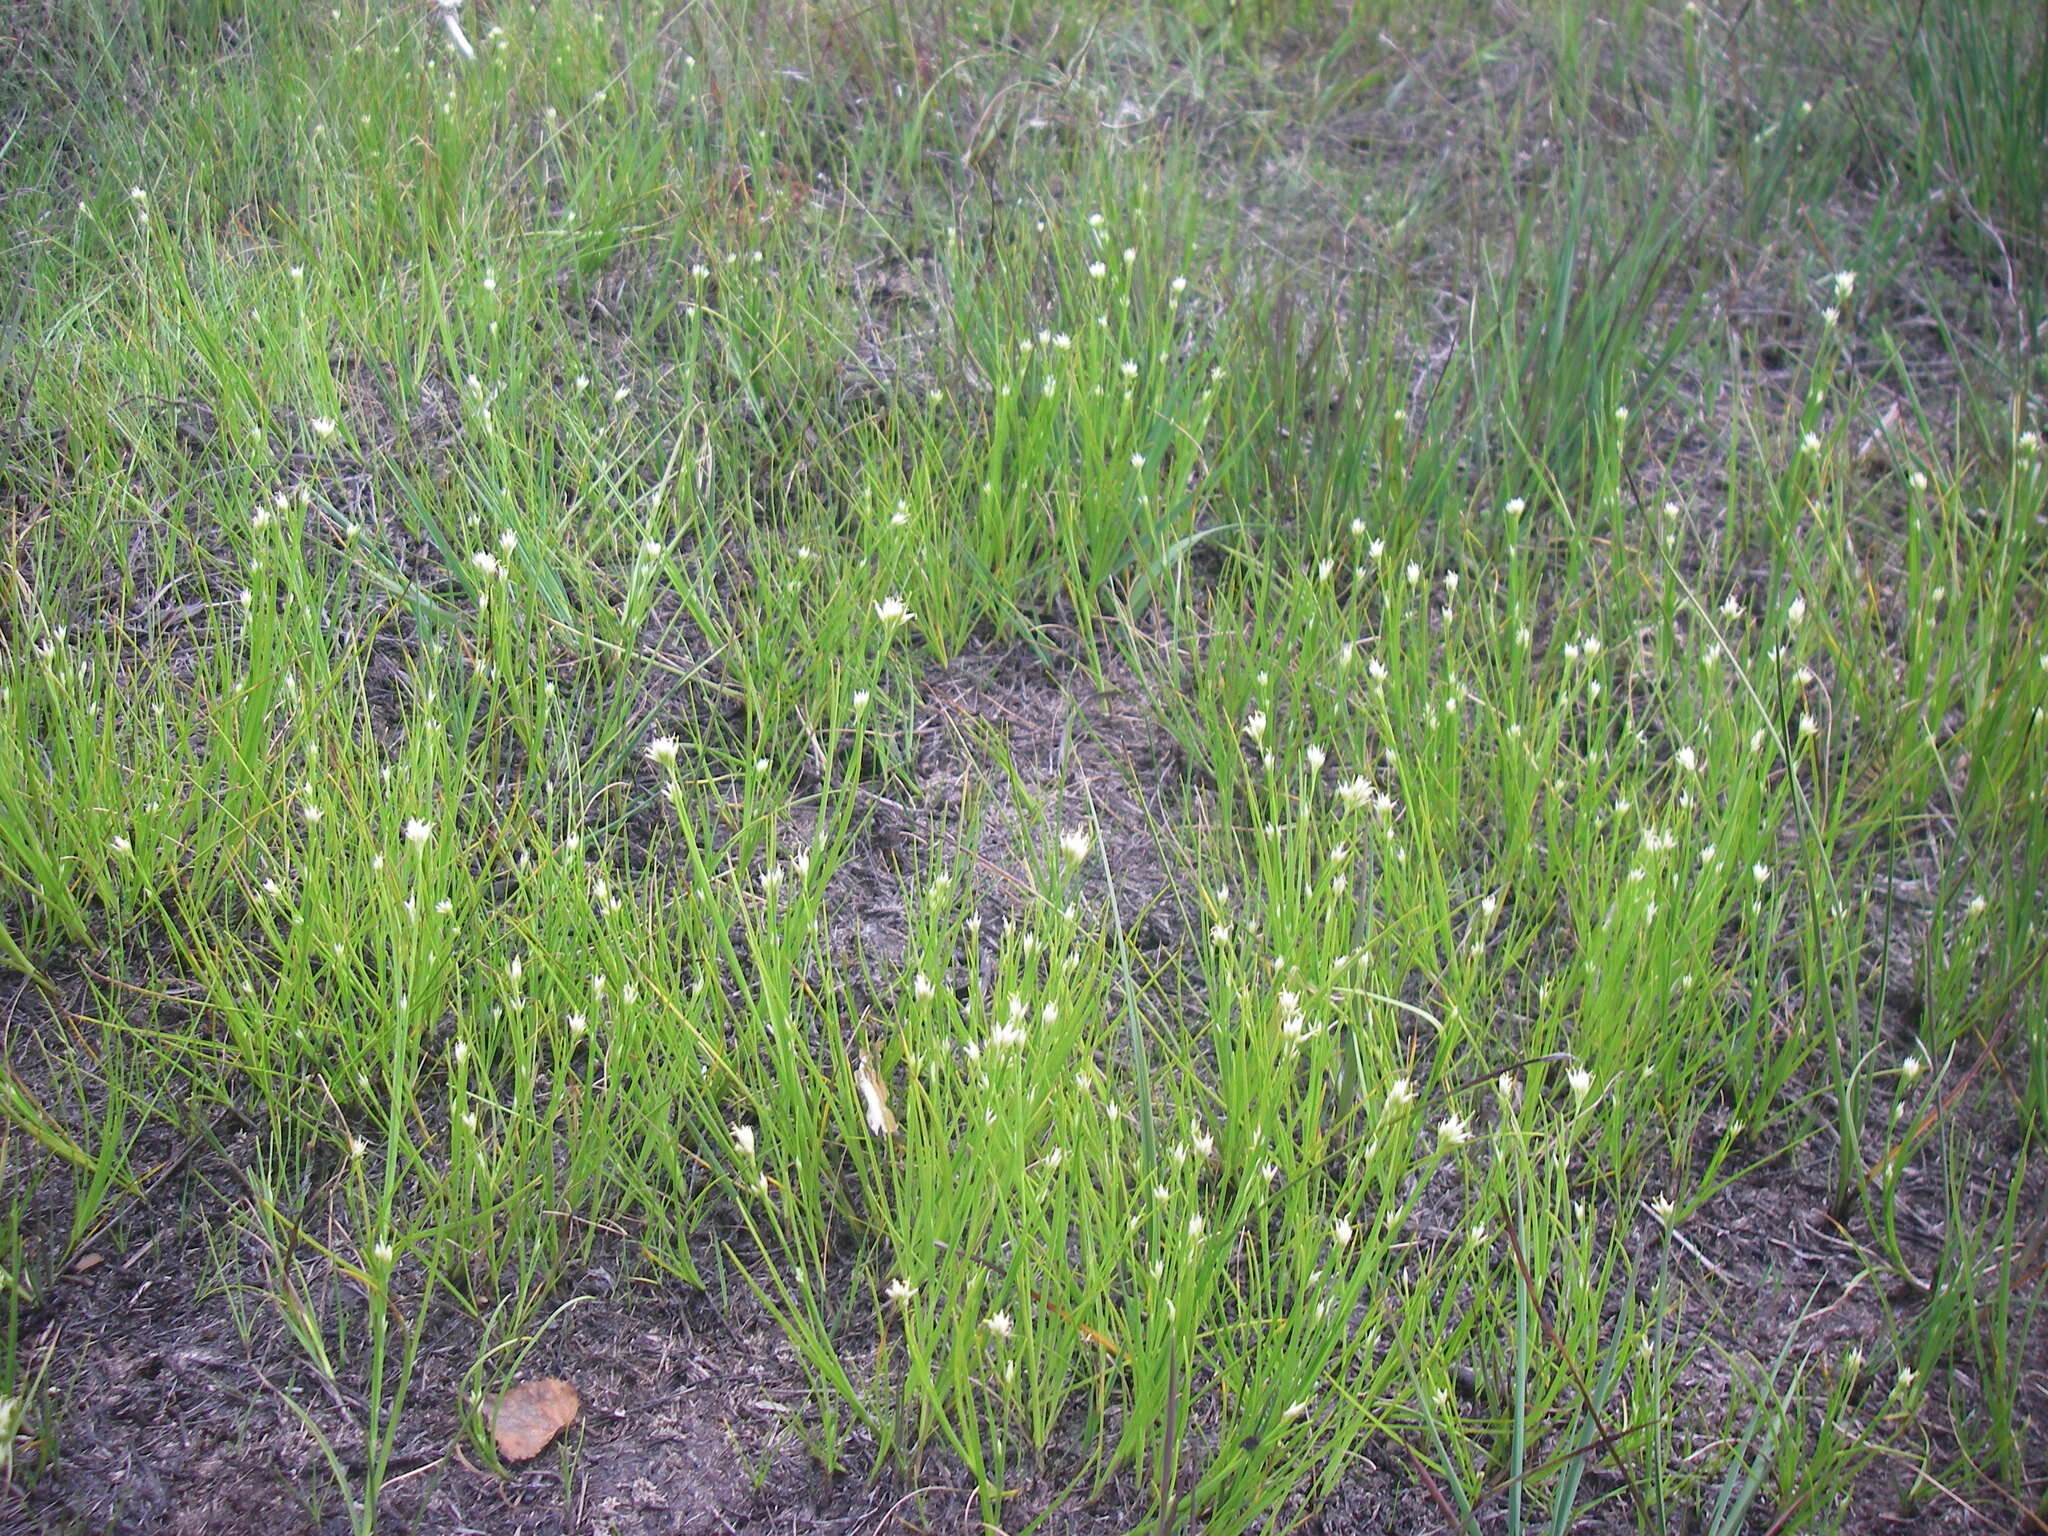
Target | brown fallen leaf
(875,1097)
(531,1414)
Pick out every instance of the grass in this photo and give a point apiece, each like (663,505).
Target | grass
(487,545)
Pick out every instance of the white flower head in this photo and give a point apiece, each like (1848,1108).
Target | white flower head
(1076,844)
(663,751)
(418,832)
(893,613)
